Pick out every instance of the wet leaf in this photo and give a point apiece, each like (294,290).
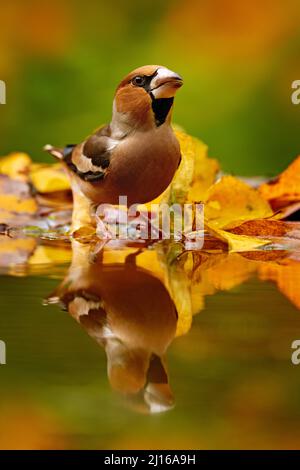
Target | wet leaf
(285,188)
(290,211)
(238,243)
(229,202)
(196,172)
(268,228)
(265,255)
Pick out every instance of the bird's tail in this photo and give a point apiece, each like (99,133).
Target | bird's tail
(60,153)
(56,152)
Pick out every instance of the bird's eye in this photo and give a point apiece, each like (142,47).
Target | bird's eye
(139,80)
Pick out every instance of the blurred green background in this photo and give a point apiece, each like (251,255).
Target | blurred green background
(62,60)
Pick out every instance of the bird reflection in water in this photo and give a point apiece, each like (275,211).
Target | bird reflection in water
(127,309)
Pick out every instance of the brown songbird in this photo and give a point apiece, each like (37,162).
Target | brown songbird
(137,154)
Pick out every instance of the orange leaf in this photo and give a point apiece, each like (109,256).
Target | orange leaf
(286,187)
(287,277)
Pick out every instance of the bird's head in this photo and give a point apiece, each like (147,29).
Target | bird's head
(145,97)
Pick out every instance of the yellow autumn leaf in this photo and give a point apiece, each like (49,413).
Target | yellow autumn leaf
(49,178)
(195,174)
(190,150)
(12,203)
(205,175)
(229,202)
(196,171)
(15,165)
(17,206)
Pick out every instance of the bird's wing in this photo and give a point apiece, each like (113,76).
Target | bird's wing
(90,160)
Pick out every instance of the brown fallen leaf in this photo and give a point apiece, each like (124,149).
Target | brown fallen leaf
(213,244)
(268,228)
(290,211)
(265,255)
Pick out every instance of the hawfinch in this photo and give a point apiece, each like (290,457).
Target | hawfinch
(137,154)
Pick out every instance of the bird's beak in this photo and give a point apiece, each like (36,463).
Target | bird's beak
(165,83)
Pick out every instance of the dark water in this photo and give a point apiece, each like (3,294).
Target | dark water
(102,366)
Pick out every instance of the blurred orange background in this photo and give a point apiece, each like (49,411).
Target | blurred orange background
(62,61)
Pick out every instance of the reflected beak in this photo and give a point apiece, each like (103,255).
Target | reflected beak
(165,83)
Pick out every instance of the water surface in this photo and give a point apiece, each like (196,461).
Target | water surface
(135,352)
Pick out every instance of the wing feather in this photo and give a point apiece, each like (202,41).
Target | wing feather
(91,160)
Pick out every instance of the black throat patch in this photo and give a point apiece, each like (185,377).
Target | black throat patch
(161,108)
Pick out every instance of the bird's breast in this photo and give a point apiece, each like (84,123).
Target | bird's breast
(141,168)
